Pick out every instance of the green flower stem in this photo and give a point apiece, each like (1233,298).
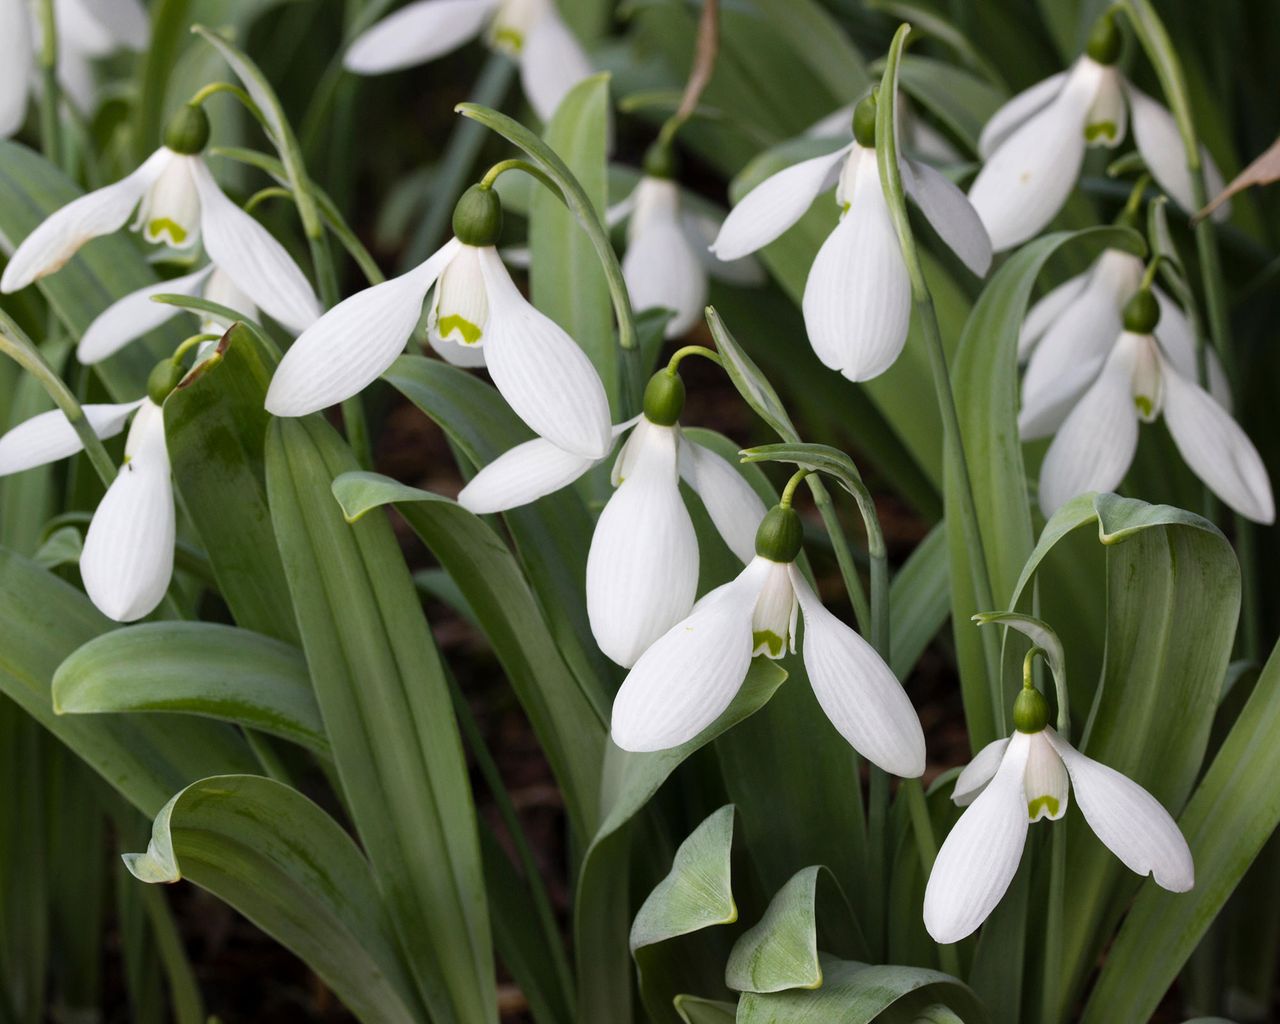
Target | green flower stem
(50,95)
(789,491)
(516,164)
(190,343)
(263,194)
(206,92)
(15,344)
(844,556)
(707,48)
(1051,982)
(692,350)
(877,860)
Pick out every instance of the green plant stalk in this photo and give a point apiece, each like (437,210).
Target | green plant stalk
(707,48)
(844,557)
(50,94)
(15,344)
(1050,983)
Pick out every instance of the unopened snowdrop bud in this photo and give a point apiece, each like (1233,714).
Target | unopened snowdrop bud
(781,535)
(1142,313)
(187,132)
(664,398)
(477,219)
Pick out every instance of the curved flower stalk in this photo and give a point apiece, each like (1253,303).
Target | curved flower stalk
(86,32)
(127,560)
(688,677)
(667,262)
(530,32)
(857,300)
(1034,145)
(1067,335)
(477,317)
(1013,782)
(129,318)
(1139,381)
(177,203)
(642,567)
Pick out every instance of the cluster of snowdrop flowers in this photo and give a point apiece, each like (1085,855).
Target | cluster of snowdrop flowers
(86,31)
(857,299)
(690,675)
(178,203)
(1035,144)
(529,31)
(1140,381)
(642,566)
(1013,782)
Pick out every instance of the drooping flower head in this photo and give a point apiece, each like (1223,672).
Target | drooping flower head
(857,299)
(177,203)
(530,32)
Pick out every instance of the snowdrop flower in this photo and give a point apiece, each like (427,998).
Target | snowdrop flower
(545,377)
(1095,445)
(131,317)
(686,680)
(127,560)
(1034,145)
(857,300)
(642,568)
(1015,781)
(179,203)
(1068,334)
(86,31)
(530,32)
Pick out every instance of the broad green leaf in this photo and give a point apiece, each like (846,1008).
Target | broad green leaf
(198,668)
(570,728)
(919,600)
(215,425)
(854,993)
(565,278)
(753,385)
(814,34)
(42,621)
(693,1010)
(387,712)
(287,866)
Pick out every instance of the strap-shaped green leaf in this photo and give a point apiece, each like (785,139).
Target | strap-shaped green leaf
(286,865)
(693,1010)
(198,668)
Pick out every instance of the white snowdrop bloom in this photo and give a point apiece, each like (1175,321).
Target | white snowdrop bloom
(86,32)
(687,679)
(179,203)
(667,262)
(530,32)
(1068,334)
(128,551)
(857,299)
(1034,145)
(642,567)
(1095,445)
(1013,782)
(129,318)
(544,376)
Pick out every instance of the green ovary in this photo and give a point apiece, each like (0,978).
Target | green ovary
(1048,804)
(768,642)
(469,332)
(164,226)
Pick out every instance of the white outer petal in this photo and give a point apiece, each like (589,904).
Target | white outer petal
(978,772)
(1216,448)
(1130,822)
(661,269)
(17,64)
(1178,341)
(50,436)
(775,204)
(1045,311)
(1156,134)
(130,318)
(127,560)
(951,214)
(57,238)
(248,254)
(1005,121)
(857,690)
(347,348)
(642,567)
(857,300)
(688,677)
(981,854)
(545,377)
(1094,446)
(420,32)
(552,62)
(735,509)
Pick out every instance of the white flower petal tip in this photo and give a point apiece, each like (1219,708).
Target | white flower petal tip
(417,33)
(131,317)
(775,204)
(50,436)
(552,62)
(857,691)
(347,348)
(1155,132)
(661,267)
(60,235)
(1017,111)
(17,64)
(951,214)
(686,680)
(522,475)
(981,854)
(735,509)
(544,376)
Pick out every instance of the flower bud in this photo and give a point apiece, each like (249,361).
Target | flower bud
(1030,711)
(164,377)
(477,219)
(660,162)
(187,131)
(1104,41)
(1141,313)
(864,122)
(664,398)
(780,535)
